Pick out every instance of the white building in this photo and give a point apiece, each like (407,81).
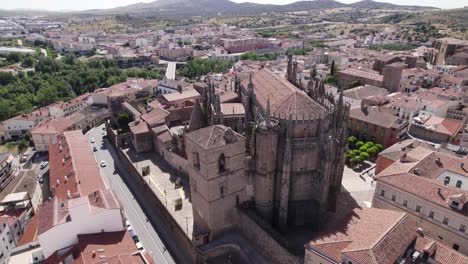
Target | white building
(60,222)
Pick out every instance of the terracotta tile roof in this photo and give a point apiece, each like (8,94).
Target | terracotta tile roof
(110,247)
(30,233)
(428,189)
(213,136)
(232,109)
(185,95)
(363,74)
(396,151)
(156,117)
(374,115)
(444,126)
(368,236)
(430,168)
(362,92)
(228,97)
(101,200)
(138,127)
(285,98)
(75,159)
(438,251)
(54,126)
(52,213)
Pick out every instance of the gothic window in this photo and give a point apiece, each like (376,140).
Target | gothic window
(222,163)
(196,160)
(459,184)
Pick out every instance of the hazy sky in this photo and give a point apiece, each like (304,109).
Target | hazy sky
(97,4)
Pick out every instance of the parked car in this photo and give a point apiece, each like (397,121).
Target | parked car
(140,246)
(94,149)
(93,140)
(24,158)
(103,163)
(43,164)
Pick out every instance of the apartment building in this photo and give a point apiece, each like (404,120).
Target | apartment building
(432,187)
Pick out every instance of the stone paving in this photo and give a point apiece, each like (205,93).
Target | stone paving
(162,181)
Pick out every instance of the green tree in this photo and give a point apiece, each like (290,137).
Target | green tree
(355,83)
(379,147)
(363,149)
(364,155)
(28,62)
(352,140)
(359,144)
(123,119)
(372,151)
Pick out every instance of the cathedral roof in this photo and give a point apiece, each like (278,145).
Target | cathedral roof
(285,98)
(214,136)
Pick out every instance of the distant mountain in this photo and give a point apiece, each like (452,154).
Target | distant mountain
(369,4)
(211,7)
(200,7)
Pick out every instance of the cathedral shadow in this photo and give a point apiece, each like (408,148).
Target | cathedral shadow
(334,222)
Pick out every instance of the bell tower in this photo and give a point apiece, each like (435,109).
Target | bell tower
(217,180)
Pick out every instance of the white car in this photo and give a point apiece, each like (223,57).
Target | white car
(43,164)
(140,246)
(129,226)
(93,140)
(103,163)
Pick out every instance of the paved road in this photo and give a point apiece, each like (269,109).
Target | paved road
(133,203)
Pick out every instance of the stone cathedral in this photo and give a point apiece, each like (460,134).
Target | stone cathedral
(284,156)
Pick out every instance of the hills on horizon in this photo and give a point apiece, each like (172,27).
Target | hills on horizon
(210,7)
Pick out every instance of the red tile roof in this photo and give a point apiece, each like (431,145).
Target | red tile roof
(111,247)
(425,188)
(75,159)
(54,126)
(285,98)
(30,233)
(368,236)
(438,251)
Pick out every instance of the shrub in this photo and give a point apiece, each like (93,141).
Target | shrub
(356,160)
(373,151)
(359,144)
(369,144)
(352,140)
(364,155)
(356,152)
(363,149)
(379,147)
(350,155)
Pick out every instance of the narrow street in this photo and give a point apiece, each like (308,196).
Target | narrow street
(145,221)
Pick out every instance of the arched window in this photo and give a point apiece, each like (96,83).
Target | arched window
(222,163)
(447,180)
(459,184)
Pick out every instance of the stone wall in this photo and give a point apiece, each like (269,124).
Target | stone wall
(176,161)
(179,235)
(262,240)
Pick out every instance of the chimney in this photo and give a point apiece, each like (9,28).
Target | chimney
(420,231)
